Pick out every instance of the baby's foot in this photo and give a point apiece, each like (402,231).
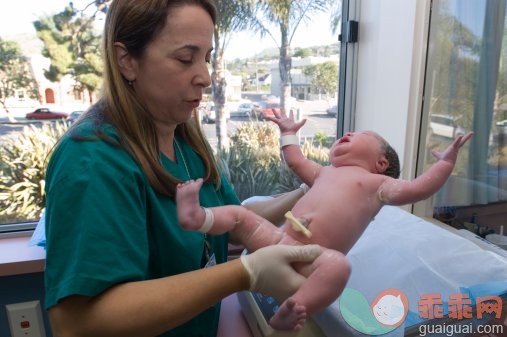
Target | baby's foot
(190,213)
(289,316)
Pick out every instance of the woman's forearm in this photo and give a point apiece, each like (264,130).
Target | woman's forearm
(275,209)
(147,308)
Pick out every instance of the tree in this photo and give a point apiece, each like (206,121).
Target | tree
(287,15)
(323,76)
(233,16)
(303,52)
(72,45)
(336,15)
(14,73)
(455,52)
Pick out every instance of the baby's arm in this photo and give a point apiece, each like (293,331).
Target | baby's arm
(247,227)
(304,168)
(402,192)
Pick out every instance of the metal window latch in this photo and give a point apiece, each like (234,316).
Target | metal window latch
(352,32)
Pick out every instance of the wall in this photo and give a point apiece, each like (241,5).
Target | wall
(21,288)
(391,52)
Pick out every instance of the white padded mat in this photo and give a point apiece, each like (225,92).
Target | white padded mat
(399,250)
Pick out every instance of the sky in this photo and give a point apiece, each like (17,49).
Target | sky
(314,33)
(18,18)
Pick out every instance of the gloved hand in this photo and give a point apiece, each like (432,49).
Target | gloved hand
(271,272)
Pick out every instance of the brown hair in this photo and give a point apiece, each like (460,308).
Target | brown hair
(393,170)
(135,23)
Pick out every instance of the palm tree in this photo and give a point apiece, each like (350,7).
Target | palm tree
(287,15)
(233,16)
(336,15)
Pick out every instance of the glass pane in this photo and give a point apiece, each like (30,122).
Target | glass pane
(253,157)
(251,77)
(466,90)
(34,104)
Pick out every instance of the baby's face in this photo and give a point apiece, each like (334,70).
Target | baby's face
(360,136)
(365,144)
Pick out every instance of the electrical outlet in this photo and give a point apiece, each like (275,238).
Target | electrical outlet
(25,319)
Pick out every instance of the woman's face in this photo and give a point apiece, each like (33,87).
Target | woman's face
(172,73)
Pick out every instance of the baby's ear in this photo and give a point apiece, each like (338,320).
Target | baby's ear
(382,164)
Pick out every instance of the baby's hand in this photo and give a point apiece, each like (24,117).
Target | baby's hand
(451,153)
(286,124)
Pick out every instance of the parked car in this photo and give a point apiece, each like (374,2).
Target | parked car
(74,115)
(263,109)
(502,123)
(46,113)
(333,111)
(502,131)
(243,110)
(207,112)
(445,126)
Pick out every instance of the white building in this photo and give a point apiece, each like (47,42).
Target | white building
(58,95)
(301,84)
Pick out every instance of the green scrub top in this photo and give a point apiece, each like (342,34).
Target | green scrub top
(105,224)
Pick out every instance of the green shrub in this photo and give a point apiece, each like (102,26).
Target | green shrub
(23,162)
(320,137)
(253,163)
(287,180)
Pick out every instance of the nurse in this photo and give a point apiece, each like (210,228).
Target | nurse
(118,263)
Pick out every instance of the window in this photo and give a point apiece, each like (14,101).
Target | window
(68,95)
(25,142)
(466,90)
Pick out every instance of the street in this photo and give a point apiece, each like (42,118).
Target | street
(315,122)
(315,113)
(8,128)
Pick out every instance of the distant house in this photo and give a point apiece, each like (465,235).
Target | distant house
(265,79)
(301,84)
(260,80)
(233,89)
(61,94)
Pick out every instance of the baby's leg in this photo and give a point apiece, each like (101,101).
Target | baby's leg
(327,277)
(249,228)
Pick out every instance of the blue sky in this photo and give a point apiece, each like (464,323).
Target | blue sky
(18,18)
(314,33)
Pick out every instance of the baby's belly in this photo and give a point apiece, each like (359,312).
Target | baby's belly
(289,238)
(338,232)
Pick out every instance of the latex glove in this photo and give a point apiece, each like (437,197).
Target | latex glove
(271,272)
